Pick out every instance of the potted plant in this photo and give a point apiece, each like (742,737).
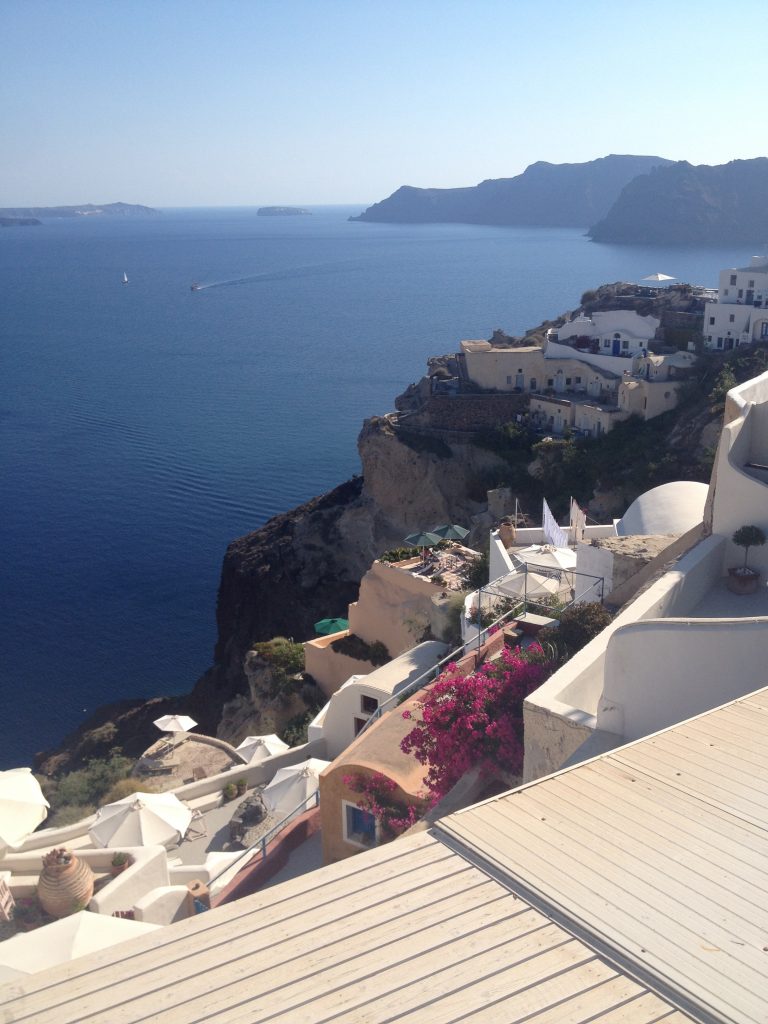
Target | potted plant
(242,786)
(230,791)
(742,579)
(120,862)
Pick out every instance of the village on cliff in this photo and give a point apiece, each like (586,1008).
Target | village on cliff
(536,787)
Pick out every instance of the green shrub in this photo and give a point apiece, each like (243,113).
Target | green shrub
(286,659)
(355,647)
(578,625)
(294,732)
(399,554)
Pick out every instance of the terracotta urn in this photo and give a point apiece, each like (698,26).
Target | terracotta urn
(65,885)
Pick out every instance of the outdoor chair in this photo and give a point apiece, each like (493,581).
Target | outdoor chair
(198,829)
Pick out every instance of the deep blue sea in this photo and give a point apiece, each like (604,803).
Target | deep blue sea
(144,426)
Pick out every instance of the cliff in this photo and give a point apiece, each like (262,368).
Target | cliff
(680,203)
(544,195)
(299,567)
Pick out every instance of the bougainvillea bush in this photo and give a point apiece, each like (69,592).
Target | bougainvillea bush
(476,720)
(376,794)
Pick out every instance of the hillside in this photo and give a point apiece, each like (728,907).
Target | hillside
(683,204)
(544,195)
(307,563)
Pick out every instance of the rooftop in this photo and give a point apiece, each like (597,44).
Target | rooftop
(630,888)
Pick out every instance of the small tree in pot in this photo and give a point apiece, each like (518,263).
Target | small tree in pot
(742,579)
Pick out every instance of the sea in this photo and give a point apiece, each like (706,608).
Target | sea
(145,425)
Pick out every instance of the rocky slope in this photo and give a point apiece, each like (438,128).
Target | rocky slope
(544,195)
(680,203)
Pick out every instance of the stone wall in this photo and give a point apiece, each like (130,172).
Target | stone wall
(467,412)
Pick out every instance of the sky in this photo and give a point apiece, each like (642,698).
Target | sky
(255,102)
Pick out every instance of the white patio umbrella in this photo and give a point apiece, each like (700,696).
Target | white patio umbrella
(551,558)
(65,940)
(22,805)
(659,277)
(293,785)
(531,584)
(175,723)
(256,748)
(141,819)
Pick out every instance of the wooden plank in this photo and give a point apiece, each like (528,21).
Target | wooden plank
(666,937)
(181,947)
(682,820)
(452,990)
(617,1000)
(324,952)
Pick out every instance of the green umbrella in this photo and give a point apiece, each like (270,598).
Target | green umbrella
(327,626)
(451,532)
(422,540)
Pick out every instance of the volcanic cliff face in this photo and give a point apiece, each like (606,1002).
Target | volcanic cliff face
(307,563)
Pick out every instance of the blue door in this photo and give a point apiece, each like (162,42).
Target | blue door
(617,346)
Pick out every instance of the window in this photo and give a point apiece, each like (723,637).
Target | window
(731,318)
(509,380)
(625,343)
(551,382)
(567,381)
(368,705)
(751,284)
(359,825)
(359,724)
(733,279)
(606,343)
(533,383)
(741,293)
(711,321)
(764,329)
(725,292)
(719,342)
(577,380)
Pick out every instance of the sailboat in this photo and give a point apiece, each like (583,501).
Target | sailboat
(125,278)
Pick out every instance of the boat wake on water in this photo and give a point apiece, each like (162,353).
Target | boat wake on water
(288,274)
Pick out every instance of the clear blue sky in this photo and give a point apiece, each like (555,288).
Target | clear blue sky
(241,102)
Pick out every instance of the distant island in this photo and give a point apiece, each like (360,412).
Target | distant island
(27,213)
(635,200)
(696,205)
(544,195)
(283,211)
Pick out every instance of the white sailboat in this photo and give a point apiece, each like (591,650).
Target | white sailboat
(125,278)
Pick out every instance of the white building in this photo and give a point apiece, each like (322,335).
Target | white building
(613,332)
(739,315)
(685,643)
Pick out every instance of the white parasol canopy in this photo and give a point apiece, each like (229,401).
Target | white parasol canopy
(256,748)
(530,584)
(175,723)
(22,805)
(293,785)
(141,819)
(659,277)
(65,940)
(547,556)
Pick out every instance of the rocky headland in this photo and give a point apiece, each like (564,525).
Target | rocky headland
(544,195)
(682,203)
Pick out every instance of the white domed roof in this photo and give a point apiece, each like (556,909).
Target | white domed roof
(671,508)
